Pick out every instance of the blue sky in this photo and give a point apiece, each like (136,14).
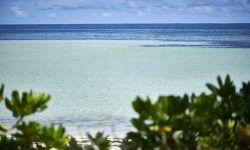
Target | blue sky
(123,11)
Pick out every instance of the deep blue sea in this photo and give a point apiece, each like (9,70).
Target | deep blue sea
(217,35)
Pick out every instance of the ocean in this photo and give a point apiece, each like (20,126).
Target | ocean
(95,71)
(219,35)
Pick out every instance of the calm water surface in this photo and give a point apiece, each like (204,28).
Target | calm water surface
(94,82)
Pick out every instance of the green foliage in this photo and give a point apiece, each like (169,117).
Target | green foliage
(35,136)
(28,104)
(218,120)
(54,137)
(99,142)
(34,132)
(215,120)
(9,143)
(31,135)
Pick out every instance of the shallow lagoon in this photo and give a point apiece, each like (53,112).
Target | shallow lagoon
(93,82)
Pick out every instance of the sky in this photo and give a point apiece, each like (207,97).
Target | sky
(123,11)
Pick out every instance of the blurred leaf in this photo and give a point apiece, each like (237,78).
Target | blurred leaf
(166,128)
(3,128)
(8,143)
(28,104)
(53,137)
(211,87)
(243,138)
(219,82)
(99,142)
(172,105)
(1,92)
(30,130)
(73,145)
(143,108)
(245,91)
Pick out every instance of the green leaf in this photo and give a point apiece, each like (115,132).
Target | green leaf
(211,87)
(30,130)
(172,105)
(53,137)
(10,106)
(143,108)
(60,132)
(1,92)
(219,81)
(99,142)
(3,128)
(73,145)
(228,80)
(245,91)
(28,104)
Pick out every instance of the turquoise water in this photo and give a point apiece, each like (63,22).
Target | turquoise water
(93,82)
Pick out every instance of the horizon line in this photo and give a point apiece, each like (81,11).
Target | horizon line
(119,23)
